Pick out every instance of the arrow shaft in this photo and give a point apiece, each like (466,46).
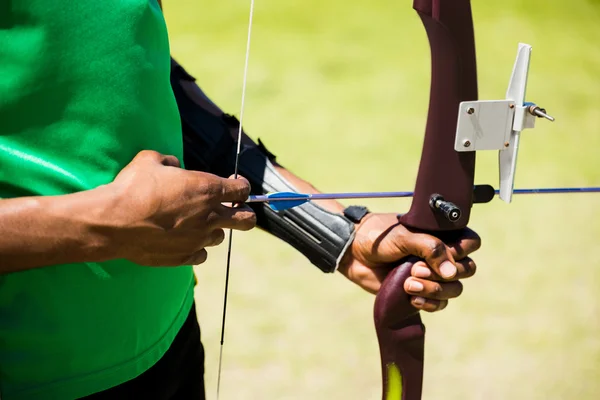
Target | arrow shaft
(379,195)
(329,196)
(556,190)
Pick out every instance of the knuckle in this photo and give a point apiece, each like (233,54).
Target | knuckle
(434,291)
(436,248)
(447,290)
(212,188)
(437,289)
(220,189)
(150,155)
(213,218)
(460,252)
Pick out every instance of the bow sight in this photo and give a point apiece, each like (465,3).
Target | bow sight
(497,124)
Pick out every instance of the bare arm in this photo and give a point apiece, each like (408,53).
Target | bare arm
(41,231)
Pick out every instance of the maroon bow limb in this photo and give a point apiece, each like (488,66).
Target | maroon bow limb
(444,175)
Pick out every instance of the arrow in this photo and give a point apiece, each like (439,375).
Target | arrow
(279,201)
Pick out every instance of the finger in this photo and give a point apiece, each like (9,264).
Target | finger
(156,157)
(428,305)
(216,238)
(240,218)
(197,258)
(466,268)
(435,253)
(229,204)
(433,290)
(148,155)
(421,270)
(171,161)
(235,190)
(468,242)
(232,176)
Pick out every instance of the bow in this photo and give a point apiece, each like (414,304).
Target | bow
(443,193)
(457,126)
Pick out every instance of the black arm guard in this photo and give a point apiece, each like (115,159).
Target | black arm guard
(209,146)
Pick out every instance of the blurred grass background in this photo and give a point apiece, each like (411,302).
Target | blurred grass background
(339,91)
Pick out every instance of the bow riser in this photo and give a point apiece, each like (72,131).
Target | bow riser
(442,171)
(449,26)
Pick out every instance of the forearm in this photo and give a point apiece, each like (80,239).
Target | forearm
(306,187)
(50,230)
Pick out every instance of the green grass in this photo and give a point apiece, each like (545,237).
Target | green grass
(339,91)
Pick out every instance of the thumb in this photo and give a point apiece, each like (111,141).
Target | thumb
(434,251)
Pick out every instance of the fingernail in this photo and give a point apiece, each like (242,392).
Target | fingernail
(447,269)
(415,286)
(418,301)
(422,272)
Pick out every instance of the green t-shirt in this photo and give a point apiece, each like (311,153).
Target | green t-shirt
(84,86)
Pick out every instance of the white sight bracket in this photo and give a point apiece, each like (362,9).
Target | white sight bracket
(497,124)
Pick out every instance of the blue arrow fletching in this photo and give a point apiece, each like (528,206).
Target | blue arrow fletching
(296,199)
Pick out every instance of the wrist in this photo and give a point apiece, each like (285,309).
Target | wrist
(346,259)
(106,223)
(87,220)
(355,214)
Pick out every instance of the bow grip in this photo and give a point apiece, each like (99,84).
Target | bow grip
(401,336)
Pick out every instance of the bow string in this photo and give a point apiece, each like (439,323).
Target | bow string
(237,163)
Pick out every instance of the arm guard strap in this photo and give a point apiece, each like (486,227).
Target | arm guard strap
(209,146)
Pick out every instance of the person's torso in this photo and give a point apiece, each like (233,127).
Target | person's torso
(84,86)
